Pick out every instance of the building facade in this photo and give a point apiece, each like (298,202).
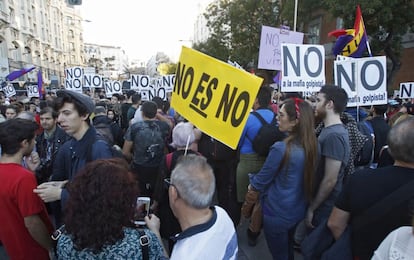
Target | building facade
(44,33)
(108,61)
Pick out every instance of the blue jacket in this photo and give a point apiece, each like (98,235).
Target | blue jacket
(73,154)
(282,193)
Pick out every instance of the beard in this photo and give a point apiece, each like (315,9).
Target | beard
(320,115)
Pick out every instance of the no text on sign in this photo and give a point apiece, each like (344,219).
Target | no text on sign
(213,95)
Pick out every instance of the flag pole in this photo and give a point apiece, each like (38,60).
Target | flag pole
(295,18)
(365,32)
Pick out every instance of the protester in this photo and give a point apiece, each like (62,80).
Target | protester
(99,214)
(145,146)
(334,153)
(250,161)
(399,244)
(359,195)
(124,109)
(136,103)
(74,111)
(183,136)
(223,160)
(286,178)
(12,111)
(109,130)
(381,129)
(25,229)
(207,232)
(48,143)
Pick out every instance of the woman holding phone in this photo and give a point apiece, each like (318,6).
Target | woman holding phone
(99,216)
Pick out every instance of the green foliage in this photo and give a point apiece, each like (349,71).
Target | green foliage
(385,20)
(235,28)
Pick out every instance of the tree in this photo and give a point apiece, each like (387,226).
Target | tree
(386,21)
(167,68)
(235,28)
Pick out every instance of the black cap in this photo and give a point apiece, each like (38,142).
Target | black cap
(83,99)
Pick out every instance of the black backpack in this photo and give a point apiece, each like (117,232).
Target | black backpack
(268,134)
(151,142)
(105,132)
(365,156)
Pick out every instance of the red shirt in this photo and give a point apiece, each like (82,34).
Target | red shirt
(17,200)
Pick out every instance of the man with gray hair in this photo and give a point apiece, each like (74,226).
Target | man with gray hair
(370,187)
(208,232)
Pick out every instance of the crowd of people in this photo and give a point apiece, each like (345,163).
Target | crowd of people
(73,165)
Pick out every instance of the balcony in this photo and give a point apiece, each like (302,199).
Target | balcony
(4,17)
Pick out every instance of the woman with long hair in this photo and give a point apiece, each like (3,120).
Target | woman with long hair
(285,181)
(99,216)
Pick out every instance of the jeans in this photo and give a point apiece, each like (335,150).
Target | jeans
(279,237)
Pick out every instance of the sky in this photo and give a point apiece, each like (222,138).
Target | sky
(141,27)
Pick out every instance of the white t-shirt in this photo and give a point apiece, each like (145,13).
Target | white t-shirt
(399,244)
(216,239)
(137,116)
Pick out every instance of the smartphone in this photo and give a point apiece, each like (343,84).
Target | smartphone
(141,210)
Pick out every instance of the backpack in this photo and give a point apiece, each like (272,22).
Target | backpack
(365,156)
(149,142)
(105,133)
(115,149)
(268,134)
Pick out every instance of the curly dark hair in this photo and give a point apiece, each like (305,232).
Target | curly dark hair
(102,202)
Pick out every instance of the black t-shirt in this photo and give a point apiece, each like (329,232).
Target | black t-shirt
(362,191)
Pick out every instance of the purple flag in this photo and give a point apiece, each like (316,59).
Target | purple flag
(40,83)
(277,78)
(18,73)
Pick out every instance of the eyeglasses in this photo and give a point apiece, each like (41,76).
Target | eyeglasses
(167,183)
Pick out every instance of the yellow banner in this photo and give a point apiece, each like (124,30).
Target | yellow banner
(213,95)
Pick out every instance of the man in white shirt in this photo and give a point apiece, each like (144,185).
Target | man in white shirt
(208,232)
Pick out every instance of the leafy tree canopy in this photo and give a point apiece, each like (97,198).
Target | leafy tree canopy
(386,21)
(235,28)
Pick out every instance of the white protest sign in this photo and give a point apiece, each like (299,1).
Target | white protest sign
(73,79)
(139,82)
(92,80)
(9,90)
(303,67)
(153,91)
(363,79)
(271,40)
(168,82)
(32,91)
(112,87)
(406,90)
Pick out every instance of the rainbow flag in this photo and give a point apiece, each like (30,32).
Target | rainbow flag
(351,42)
